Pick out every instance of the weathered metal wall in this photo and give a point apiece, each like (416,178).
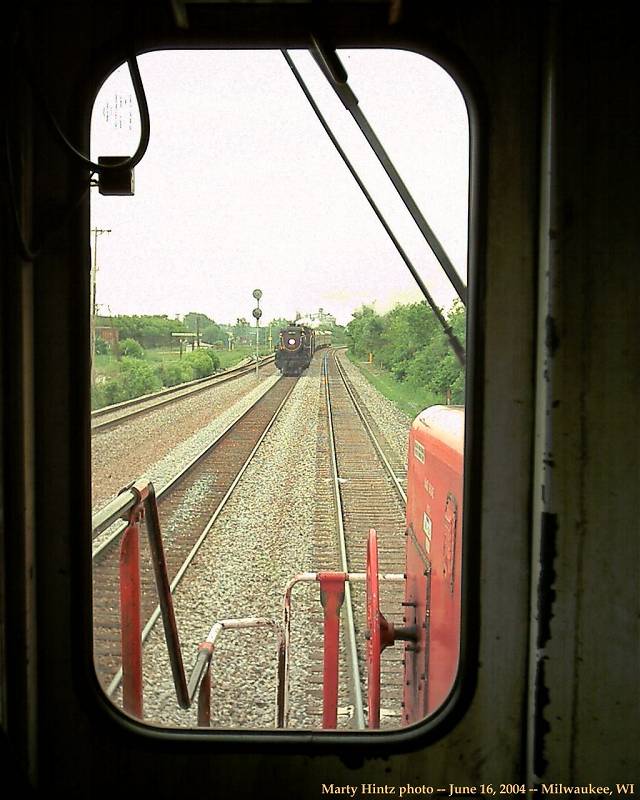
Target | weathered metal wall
(585,516)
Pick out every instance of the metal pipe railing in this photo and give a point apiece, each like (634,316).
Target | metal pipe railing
(138,502)
(130,613)
(201,674)
(135,503)
(141,502)
(329,679)
(117,508)
(165,598)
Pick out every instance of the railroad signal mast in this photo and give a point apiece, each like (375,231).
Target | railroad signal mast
(257,313)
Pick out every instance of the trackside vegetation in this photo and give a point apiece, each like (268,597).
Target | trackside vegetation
(406,354)
(137,355)
(141,357)
(137,375)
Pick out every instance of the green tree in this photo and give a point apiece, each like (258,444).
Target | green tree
(431,362)
(138,378)
(148,331)
(338,334)
(242,328)
(214,333)
(409,329)
(451,371)
(173,373)
(276,325)
(195,320)
(409,342)
(364,332)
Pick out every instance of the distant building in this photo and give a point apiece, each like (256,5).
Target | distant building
(109,334)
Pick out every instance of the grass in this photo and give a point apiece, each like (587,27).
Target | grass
(159,365)
(109,367)
(229,358)
(410,399)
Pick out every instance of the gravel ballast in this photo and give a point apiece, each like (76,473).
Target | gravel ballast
(261,540)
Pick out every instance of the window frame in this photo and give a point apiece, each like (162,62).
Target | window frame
(436,726)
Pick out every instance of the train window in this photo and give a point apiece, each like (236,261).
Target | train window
(264,361)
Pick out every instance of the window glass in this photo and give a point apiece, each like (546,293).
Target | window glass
(246,287)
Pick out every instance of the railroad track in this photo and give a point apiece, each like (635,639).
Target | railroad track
(188,508)
(367,493)
(110,416)
(334,495)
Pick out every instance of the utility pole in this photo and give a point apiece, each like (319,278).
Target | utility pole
(94,270)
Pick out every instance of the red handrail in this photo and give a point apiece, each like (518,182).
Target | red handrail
(332,598)
(130,627)
(141,503)
(202,669)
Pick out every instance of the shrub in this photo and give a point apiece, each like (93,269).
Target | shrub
(102,348)
(201,362)
(137,378)
(215,360)
(131,349)
(175,373)
(107,393)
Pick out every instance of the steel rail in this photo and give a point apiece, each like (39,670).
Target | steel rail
(349,628)
(307,577)
(108,515)
(357,406)
(372,436)
(204,659)
(168,395)
(99,412)
(153,618)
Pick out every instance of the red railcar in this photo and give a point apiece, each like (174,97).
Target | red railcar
(433,557)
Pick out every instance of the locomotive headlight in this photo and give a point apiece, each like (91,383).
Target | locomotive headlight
(291,341)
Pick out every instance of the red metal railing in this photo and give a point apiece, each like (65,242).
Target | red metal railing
(332,586)
(130,625)
(137,503)
(332,598)
(130,601)
(201,674)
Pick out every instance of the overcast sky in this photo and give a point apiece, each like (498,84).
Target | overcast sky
(240,187)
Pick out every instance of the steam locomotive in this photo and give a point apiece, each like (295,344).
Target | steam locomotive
(296,346)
